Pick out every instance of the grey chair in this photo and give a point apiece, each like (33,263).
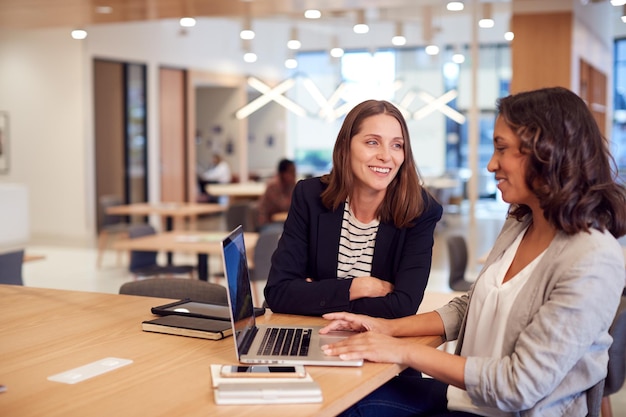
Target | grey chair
(11,267)
(144,263)
(457,256)
(263,251)
(617,359)
(177,288)
(111,226)
(241,213)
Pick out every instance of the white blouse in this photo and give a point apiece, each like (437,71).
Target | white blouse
(488,314)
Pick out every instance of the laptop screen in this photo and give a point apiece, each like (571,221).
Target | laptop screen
(239,291)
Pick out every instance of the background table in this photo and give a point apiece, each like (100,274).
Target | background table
(172,213)
(45,332)
(237,191)
(201,243)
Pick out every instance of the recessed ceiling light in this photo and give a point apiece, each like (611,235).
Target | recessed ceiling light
(187,22)
(79,34)
(249,57)
(398,40)
(455,6)
(312,14)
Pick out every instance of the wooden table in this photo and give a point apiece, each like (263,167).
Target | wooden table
(201,243)
(172,213)
(45,332)
(237,191)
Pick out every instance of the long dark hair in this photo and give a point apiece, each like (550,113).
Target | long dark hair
(403,200)
(570,168)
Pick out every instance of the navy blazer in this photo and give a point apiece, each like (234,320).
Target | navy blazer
(309,248)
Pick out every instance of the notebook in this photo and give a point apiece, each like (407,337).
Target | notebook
(296,345)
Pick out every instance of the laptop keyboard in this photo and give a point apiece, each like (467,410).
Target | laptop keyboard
(285,342)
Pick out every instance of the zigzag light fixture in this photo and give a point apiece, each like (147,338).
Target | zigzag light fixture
(270,94)
(329,110)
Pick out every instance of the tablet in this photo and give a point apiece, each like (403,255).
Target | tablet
(188,307)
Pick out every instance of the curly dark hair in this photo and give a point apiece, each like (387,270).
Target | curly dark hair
(403,201)
(570,168)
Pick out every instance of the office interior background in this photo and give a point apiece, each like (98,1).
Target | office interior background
(138,105)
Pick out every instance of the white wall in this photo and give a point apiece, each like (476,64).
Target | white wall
(41,86)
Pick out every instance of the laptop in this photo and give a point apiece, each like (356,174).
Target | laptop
(292,345)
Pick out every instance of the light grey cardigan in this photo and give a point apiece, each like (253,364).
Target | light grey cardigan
(556,342)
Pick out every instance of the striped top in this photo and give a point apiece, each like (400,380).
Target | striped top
(356,246)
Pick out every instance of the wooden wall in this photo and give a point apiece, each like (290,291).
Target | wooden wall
(541,50)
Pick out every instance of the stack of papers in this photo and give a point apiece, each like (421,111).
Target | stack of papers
(246,390)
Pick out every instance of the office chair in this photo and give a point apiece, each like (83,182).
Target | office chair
(144,263)
(240,214)
(263,251)
(457,256)
(11,267)
(617,359)
(202,291)
(111,226)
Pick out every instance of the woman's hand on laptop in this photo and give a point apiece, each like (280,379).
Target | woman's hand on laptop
(355,323)
(374,347)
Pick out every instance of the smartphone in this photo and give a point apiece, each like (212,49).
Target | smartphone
(263,371)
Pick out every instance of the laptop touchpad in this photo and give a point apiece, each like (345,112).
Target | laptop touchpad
(334,336)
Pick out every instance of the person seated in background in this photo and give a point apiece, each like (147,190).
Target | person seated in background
(533,331)
(361,237)
(277,196)
(218,173)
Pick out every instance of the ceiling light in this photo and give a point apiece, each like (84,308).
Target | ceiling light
(509,36)
(336,52)
(360,27)
(293,42)
(187,22)
(618,2)
(247,33)
(249,57)
(455,6)
(79,34)
(399,39)
(432,49)
(291,63)
(487,21)
(458,58)
(312,14)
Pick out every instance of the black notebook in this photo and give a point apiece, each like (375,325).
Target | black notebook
(189,326)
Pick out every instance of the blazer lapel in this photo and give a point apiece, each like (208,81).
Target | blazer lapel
(329,231)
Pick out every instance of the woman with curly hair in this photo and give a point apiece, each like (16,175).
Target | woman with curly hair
(532,332)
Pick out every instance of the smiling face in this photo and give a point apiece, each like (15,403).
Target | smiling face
(376,154)
(509,166)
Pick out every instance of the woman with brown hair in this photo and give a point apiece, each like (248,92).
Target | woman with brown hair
(532,333)
(360,238)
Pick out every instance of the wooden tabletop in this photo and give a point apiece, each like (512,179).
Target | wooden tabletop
(45,332)
(183,241)
(166,209)
(241,189)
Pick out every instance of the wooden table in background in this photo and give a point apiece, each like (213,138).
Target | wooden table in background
(45,332)
(237,191)
(28,257)
(201,243)
(172,213)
